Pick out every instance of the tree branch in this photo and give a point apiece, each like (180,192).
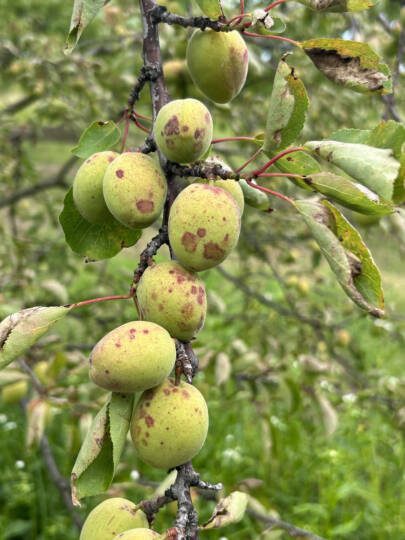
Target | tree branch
(291,530)
(161,15)
(56,181)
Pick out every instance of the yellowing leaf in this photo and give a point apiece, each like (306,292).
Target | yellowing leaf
(346,253)
(339,5)
(100,453)
(19,331)
(83,13)
(211,8)
(288,106)
(228,510)
(349,63)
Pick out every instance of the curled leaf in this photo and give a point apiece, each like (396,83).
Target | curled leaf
(376,168)
(228,510)
(101,450)
(349,194)
(346,253)
(253,197)
(83,13)
(339,5)
(349,63)
(288,106)
(19,331)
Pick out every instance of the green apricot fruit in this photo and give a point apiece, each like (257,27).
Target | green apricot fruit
(183,130)
(133,357)
(88,187)
(173,297)
(14,392)
(204,226)
(169,424)
(218,63)
(137,534)
(111,517)
(134,189)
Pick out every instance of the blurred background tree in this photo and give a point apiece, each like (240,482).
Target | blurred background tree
(306,393)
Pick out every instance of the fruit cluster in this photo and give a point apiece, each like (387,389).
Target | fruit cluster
(170,421)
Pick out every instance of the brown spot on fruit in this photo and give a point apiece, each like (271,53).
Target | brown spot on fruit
(185,394)
(199,133)
(189,241)
(117,344)
(213,251)
(226,238)
(187,309)
(111,159)
(172,126)
(166,391)
(201,232)
(144,442)
(149,420)
(145,331)
(193,289)
(145,206)
(119,173)
(207,117)
(184,129)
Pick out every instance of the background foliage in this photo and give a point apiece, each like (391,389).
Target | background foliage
(306,393)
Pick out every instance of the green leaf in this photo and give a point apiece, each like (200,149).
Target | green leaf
(211,8)
(19,331)
(253,197)
(99,136)
(348,135)
(391,134)
(349,194)
(349,63)
(228,510)
(101,450)
(376,168)
(92,240)
(346,253)
(348,527)
(83,13)
(298,163)
(288,106)
(339,5)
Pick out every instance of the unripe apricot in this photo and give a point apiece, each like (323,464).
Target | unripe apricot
(133,357)
(137,534)
(88,187)
(183,130)
(14,392)
(204,226)
(169,424)
(110,518)
(134,189)
(173,297)
(218,63)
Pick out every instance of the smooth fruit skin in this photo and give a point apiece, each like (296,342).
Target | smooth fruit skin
(204,226)
(134,190)
(14,392)
(218,63)
(169,424)
(88,187)
(183,130)
(173,297)
(133,357)
(137,534)
(110,518)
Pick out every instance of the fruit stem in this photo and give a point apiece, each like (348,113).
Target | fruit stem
(275,174)
(102,299)
(242,7)
(271,36)
(270,192)
(252,158)
(273,160)
(274,4)
(125,135)
(231,139)
(142,116)
(138,124)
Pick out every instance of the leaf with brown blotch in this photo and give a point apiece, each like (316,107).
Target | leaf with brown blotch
(349,63)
